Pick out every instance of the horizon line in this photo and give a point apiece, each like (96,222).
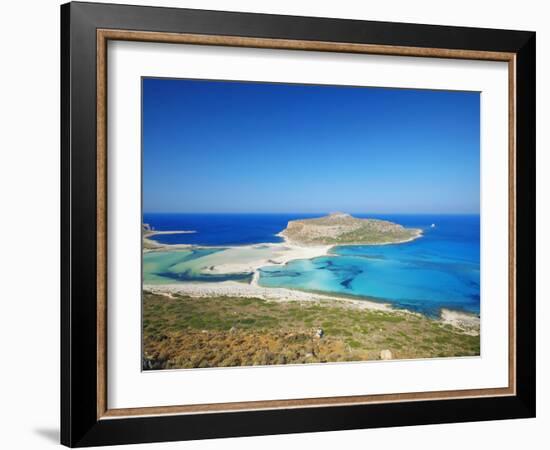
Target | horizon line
(317,212)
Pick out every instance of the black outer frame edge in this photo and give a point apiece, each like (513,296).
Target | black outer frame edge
(65,126)
(230,23)
(302,420)
(79,426)
(526,223)
(79,293)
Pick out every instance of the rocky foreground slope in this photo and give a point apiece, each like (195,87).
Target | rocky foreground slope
(343,229)
(180,332)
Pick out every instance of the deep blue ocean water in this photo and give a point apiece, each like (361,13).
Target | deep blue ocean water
(439,270)
(220,229)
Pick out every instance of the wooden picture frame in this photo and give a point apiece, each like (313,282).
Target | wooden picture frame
(86,418)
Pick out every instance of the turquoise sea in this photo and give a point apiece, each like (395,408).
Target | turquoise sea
(439,270)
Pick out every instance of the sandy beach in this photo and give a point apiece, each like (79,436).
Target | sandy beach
(250,258)
(236,289)
(468,323)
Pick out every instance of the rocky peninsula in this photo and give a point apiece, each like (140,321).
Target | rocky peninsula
(344,229)
(149,244)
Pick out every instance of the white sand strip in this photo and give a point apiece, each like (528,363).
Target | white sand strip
(235,289)
(250,258)
(468,323)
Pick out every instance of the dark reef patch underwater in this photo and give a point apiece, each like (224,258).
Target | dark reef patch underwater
(439,270)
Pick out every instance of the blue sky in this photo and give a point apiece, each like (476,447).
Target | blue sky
(219,146)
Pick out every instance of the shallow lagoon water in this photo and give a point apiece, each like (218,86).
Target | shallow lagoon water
(439,270)
(182,265)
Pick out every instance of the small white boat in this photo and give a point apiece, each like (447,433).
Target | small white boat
(432,225)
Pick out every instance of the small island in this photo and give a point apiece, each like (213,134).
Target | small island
(344,229)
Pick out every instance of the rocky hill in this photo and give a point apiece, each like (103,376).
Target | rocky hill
(342,229)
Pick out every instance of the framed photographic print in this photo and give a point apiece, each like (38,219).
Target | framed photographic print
(277,224)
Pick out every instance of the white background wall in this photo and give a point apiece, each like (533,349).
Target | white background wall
(29,223)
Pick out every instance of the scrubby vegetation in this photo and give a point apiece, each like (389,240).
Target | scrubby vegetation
(340,228)
(185,332)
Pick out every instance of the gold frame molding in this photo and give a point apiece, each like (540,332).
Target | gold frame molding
(103,36)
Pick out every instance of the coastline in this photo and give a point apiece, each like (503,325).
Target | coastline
(151,244)
(154,232)
(181,331)
(467,323)
(281,254)
(464,322)
(236,289)
(419,234)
